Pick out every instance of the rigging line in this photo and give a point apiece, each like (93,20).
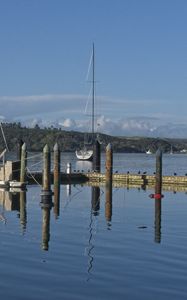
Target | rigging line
(33,176)
(30,157)
(39,162)
(88,100)
(4,136)
(89,66)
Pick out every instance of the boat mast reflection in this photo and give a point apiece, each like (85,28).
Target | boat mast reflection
(95,207)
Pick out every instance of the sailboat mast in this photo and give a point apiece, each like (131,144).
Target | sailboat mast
(93,91)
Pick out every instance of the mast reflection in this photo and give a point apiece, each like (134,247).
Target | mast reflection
(95,207)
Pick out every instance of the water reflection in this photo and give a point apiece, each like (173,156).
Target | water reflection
(11,201)
(46,205)
(83,166)
(23,210)
(95,207)
(56,207)
(108,204)
(158,220)
(95,200)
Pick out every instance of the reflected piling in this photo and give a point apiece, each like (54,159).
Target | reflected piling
(23,211)
(108,203)
(157,220)
(45,227)
(95,200)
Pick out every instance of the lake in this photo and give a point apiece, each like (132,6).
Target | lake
(131,247)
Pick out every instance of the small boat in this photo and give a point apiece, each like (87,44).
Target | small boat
(149,152)
(86,153)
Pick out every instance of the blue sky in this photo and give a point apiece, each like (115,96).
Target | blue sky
(141,63)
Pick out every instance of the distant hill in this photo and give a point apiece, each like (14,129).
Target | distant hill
(69,141)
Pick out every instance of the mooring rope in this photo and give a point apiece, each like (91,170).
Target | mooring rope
(31,176)
(36,155)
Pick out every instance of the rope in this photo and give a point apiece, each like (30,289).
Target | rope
(33,177)
(40,154)
(39,162)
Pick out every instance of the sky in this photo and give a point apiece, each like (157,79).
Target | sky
(140,64)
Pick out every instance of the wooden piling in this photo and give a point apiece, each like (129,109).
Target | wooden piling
(158,175)
(23,163)
(108,190)
(46,180)
(109,165)
(56,180)
(19,146)
(97,157)
(46,193)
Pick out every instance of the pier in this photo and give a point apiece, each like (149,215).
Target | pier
(16,173)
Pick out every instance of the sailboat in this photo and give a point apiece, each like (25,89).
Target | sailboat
(84,153)
(149,151)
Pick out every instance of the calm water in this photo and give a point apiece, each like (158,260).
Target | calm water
(126,246)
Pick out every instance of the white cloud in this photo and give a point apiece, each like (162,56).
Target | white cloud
(67,123)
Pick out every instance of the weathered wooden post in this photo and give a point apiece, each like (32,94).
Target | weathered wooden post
(109,165)
(158,175)
(46,193)
(23,163)
(56,179)
(19,145)
(97,157)
(108,190)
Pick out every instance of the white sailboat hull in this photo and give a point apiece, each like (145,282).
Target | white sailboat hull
(84,154)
